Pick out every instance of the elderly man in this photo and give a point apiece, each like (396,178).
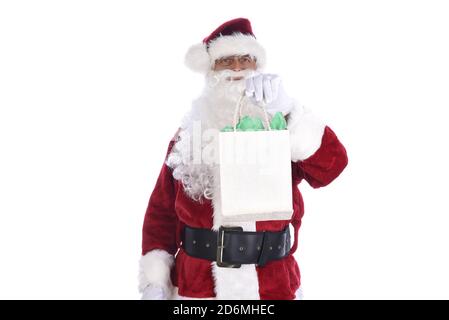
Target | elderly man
(183,215)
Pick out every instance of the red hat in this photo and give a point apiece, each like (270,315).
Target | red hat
(234,37)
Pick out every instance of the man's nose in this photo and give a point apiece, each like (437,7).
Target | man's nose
(237,66)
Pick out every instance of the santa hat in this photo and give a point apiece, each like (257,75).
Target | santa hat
(234,37)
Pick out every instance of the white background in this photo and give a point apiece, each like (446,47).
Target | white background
(92,91)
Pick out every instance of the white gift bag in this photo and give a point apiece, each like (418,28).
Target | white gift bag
(255,174)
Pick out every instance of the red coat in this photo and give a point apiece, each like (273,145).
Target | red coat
(169,209)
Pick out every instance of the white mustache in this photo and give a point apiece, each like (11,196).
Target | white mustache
(229,75)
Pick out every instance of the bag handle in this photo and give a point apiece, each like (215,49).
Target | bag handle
(238,112)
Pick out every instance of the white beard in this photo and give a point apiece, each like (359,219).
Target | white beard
(210,113)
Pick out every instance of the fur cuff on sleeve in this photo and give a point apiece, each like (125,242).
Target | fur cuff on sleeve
(155,269)
(306,132)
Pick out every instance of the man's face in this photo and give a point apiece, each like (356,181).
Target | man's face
(235,63)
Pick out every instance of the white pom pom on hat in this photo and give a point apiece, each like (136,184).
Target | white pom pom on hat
(234,37)
(197,58)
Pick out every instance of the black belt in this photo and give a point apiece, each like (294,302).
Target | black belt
(232,247)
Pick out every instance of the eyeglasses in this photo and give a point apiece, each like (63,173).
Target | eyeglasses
(245,60)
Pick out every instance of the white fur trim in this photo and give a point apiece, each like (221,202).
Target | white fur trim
(176,296)
(239,283)
(306,133)
(197,58)
(155,268)
(236,283)
(200,59)
(299,295)
(237,44)
(216,201)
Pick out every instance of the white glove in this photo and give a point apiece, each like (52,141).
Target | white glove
(154,292)
(268,89)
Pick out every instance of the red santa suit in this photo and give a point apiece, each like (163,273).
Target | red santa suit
(318,157)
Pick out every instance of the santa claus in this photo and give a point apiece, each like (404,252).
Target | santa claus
(184,219)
